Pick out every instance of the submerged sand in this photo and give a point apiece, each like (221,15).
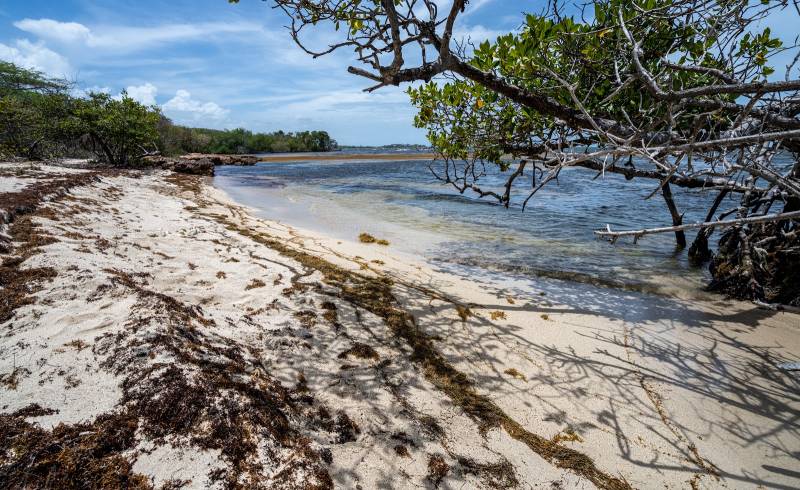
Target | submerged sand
(161,335)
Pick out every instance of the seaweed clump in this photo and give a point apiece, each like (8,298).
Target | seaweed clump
(212,395)
(16,212)
(361,351)
(367,238)
(437,469)
(69,456)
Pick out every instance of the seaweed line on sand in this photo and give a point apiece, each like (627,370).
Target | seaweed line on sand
(375,295)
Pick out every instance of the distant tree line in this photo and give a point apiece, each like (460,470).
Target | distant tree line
(176,139)
(40,117)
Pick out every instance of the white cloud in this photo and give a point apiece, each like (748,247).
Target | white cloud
(145,94)
(35,56)
(121,38)
(67,32)
(184,107)
(476,4)
(477,34)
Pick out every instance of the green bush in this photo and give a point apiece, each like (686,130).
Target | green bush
(117,130)
(40,119)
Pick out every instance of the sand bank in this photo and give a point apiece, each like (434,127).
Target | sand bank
(159,334)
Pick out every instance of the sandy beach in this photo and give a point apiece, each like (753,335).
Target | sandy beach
(155,333)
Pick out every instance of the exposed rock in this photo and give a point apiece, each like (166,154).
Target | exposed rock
(181,165)
(243,160)
(200,166)
(199,163)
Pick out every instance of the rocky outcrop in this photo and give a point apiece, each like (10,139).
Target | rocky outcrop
(241,160)
(185,166)
(200,166)
(199,163)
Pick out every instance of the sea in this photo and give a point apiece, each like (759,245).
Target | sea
(553,237)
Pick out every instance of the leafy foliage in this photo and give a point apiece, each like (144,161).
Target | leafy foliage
(179,139)
(39,118)
(30,103)
(583,64)
(117,130)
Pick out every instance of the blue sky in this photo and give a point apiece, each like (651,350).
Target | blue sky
(211,64)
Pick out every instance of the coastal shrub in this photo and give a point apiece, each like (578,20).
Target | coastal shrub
(119,131)
(32,107)
(40,118)
(677,93)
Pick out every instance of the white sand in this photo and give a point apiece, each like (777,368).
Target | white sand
(656,391)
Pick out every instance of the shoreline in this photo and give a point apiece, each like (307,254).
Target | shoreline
(575,386)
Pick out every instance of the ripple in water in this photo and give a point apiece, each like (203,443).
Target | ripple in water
(554,237)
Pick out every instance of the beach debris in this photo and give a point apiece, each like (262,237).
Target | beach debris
(361,351)
(307,318)
(367,238)
(545,316)
(437,469)
(789,366)
(567,435)
(402,451)
(494,475)
(254,284)
(463,312)
(515,374)
(497,315)
(330,313)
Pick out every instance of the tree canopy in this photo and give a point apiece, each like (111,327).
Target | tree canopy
(683,92)
(180,139)
(41,117)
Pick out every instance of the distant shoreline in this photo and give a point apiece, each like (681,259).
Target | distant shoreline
(346,156)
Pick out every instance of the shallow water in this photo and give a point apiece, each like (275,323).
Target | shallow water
(403,202)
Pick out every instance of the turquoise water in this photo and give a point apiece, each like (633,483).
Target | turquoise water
(403,202)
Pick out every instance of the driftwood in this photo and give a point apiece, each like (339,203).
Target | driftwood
(636,234)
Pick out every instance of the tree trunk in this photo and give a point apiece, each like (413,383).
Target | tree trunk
(677,218)
(699,252)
